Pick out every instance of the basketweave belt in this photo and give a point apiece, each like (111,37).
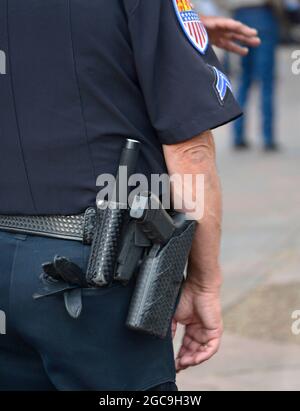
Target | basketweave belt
(79,227)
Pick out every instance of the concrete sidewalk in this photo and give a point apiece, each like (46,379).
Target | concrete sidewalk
(261,255)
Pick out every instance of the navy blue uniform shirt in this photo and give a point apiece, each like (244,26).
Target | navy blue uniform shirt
(78,77)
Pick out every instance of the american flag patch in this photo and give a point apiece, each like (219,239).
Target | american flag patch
(191,24)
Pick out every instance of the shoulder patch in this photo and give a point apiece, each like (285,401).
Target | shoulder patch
(191,24)
(222,84)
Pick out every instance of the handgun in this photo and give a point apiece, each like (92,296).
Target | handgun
(161,273)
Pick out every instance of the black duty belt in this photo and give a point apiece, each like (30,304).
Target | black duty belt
(79,227)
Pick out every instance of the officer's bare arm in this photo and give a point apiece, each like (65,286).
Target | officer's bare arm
(199,308)
(197,156)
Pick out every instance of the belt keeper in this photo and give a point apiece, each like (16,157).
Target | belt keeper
(89,226)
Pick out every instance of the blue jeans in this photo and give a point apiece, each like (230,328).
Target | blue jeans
(45,349)
(259,65)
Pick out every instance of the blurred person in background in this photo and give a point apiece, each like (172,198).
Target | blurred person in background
(292,9)
(224,32)
(259,64)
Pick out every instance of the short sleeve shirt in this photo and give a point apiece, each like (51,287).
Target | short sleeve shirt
(178,70)
(78,77)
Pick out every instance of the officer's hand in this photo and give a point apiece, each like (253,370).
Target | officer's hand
(229,34)
(200,313)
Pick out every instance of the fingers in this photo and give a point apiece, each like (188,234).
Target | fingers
(198,345)
(232,31)
(245,30)
(246,40)
(238,27)
(188,345)
(233,47)
(188,348)
(190,358)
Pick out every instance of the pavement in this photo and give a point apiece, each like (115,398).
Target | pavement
(260,254)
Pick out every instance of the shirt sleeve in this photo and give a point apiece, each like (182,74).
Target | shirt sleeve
(185,90)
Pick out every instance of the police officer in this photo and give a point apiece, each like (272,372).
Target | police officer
(80,77)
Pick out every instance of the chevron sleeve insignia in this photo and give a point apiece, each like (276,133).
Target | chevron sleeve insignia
(222,84)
